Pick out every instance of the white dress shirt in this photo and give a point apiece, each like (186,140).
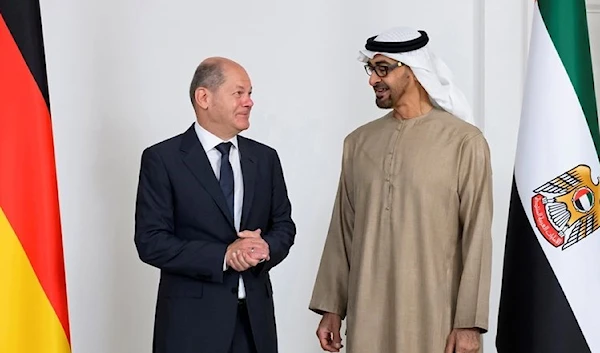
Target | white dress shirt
(209,142)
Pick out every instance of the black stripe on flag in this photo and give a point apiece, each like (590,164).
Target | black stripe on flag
(23,20)
(534,313)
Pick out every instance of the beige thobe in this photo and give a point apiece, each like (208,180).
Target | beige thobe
(408,253)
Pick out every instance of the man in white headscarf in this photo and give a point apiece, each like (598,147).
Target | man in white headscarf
(407,259)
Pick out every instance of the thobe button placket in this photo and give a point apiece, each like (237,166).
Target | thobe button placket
(389,166)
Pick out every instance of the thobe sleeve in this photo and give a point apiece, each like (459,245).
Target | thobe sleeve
(475,192)
(330,292)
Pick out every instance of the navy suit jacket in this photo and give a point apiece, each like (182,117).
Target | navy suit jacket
(183,227)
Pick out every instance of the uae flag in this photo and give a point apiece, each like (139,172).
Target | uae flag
(33,301)
(550,298)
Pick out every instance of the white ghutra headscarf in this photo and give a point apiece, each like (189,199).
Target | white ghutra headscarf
(408,46)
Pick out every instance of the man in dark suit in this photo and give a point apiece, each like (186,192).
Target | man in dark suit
(212,213)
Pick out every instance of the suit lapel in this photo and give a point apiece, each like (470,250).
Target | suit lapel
(194,157)
(248,163)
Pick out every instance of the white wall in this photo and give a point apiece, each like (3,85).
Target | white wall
(506,27)
(118,74)
(593,7)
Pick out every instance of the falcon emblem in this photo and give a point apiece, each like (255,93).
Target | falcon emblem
(565,209)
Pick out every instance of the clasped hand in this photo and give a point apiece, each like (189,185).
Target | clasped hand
(247,251)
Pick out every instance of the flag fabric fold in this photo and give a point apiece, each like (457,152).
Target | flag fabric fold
(33,299)
(551,277)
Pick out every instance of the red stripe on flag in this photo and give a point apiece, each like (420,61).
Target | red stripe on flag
(28,190)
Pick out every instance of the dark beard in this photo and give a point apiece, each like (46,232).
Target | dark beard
(383,104)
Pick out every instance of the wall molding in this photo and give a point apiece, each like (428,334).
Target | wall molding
(593,6)
(480,65)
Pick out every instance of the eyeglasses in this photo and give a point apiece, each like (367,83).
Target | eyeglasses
(380,70)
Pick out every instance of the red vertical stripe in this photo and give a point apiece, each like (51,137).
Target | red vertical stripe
(28,191)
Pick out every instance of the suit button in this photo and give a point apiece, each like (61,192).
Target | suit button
(234,290)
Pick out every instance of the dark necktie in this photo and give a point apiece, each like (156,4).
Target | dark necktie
(226,179)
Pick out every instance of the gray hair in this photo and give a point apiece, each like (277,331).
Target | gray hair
(209,75)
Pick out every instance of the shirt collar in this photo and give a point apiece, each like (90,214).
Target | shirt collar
(210,141)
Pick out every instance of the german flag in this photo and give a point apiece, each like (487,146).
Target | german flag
(33,300)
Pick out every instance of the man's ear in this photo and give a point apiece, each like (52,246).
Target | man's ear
(202,96)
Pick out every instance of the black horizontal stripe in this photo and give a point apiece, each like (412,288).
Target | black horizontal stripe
(23,20)
(534,313)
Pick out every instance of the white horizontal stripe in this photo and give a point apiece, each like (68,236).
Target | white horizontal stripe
(553,139)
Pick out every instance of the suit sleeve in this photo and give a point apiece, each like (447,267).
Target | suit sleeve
(155,238)
(282,229)
(475,192)
(330,292)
